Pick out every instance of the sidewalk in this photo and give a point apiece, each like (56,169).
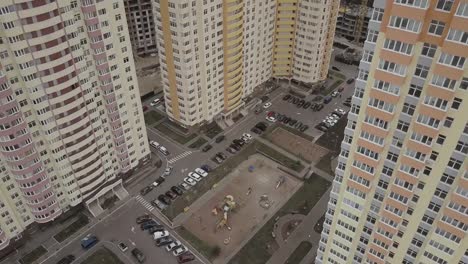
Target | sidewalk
(304,232)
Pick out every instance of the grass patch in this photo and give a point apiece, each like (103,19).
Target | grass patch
(299,253)
(255,251)
(102,256)
(72,228)
(174,135)
(209,251)
(336,74)
(332,87)
(325,163)
(152,117)
(211,130)
(200,142)
(34,255)
(294,165)
(333,137)
(202,187)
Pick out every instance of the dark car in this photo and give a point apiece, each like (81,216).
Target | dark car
(286,97)
(291,99)
(327,99)
(143,218)
(256,130)
(159,181)
(66,260)
(292,122)
(221,155)
(320,107)
(301,103)
(220,138)
(138,255)
(304,128)
(262,126)
(163,198)
(206,168)
(350,81)
(146,190)
(296,100)
(163,241)
(207,148)
(155,228)
(317,98)
(279,117)
(235,146)
(186,257)
(148,225)
(231,150)
(306,105)
(321,128)
(347,104)
(298,125)
(335,68)
(177,190)
(171,195)
(238,142)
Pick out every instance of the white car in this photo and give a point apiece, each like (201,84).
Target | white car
(190,181)
(271,119)
(335,94)
(167,171)
(266,105)
(160,234)
(154,144)
(163,150)
(179,251)
(173,245)
(155,102)
(185,185)
(194,176)
(201,172)
(335,115)
(247,136)
(340,111)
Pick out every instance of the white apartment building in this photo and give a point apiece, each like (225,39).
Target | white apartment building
(71,121)
(214,53)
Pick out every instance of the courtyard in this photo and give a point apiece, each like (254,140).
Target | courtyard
(256,193)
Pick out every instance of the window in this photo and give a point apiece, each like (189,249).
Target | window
(372,36)
(404,23)
(367,56)
(429,50)
(398,46)
(377,14)
(408,108)
(452,60)
(456,103)
(440,139)
(454,163)
(386,86)
(435,102)
(421,71)
(415,3)
(462,147)
(464,83)
(457,36)
(428,121)
(444,5)
(443,82)
(392,67)
(415,90)
(448,122)
(382,105)
(462,9)
(436,27)
(403,126)
(392,156)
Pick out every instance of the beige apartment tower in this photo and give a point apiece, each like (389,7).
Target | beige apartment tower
(71,122)
(214,53)
(400,193)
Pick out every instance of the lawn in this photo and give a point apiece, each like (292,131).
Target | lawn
(333,137)
(294,165)
(332,87)
(211,130)
(200,142)
(72,228)
(255,251)
(181,139)
(102,256)
(32,256)
(325,163)
(299,253)
(152,117)
(209,251)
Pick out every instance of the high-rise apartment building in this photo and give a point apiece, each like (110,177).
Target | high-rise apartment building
(400,193)
(214,53)
(140,22)
(71,122)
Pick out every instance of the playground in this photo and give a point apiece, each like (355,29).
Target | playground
(255,191)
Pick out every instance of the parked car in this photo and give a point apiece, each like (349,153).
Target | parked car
(335,94)
(206,148)
(179,251)
(235,147)
(339,111)
(291,99)
(201,172)
(256,130)
(186,257)
(266,105)
(320,107)
(160,234)
(160,205)
(206,168)
(262,126)
(304,128)
(286,120)
(148,225)
(185,186)
(171,195)
(143,218)
(231,150)
(195,176)
(350,81)
(246,137)
(177,190)
(341,89)
(68,259)
(321,127)
(220,138)
(296,100)
(238,142)
(155,228)
(347,104)
(306,105)
(335,68)
(163,241)
(158,181)
(163,150)
(89,241)
(298,125)
(154,144)
(221,155)
(173,245)
(164,199)
(271,119)
(138,255)
(327,99)
(190,181)
(167,171)
(217,159)
(271,113)
(155,102)
(286,97)
(292,122)
(146,190)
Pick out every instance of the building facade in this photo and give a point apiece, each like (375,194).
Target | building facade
(400,193)
(347,23)
(71,122)
(214,53)
(140,22)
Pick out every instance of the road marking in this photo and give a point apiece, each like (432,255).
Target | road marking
(133,229)
(145,203)
(133,243)
(180,156)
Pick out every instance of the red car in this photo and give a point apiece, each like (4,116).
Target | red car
(271,113)
(186,257)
